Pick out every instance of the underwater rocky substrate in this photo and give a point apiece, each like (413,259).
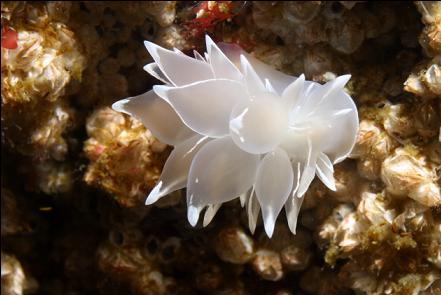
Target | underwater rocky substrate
(75,173)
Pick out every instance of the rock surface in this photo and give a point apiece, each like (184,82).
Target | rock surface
(75,173)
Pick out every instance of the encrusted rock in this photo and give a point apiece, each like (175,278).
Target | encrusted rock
(378,233)
(122,142)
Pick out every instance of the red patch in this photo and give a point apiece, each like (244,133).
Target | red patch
(9,38)
(135,170)
(99,149)
(208,15)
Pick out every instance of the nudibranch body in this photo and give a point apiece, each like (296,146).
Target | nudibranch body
(241,129)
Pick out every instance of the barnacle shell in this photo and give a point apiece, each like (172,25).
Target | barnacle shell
(425,80)
(431,16)
(14,279)
(234,245)
(296,258)
(407,174)
(397,122)
(268,265)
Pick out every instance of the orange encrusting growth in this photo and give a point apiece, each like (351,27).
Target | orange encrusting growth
(9,38)
(208,14)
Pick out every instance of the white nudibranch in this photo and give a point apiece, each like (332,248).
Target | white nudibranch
(241,129)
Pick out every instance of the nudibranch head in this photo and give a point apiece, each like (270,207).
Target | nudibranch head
(258,125)
(241,129)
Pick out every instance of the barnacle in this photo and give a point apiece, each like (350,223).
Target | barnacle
(13,276)
(242,129)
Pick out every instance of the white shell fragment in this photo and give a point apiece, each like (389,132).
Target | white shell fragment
(241,129)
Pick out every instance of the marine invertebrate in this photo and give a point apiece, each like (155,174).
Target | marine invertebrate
(425,80)
(241,128)
(123,254)
(406,173)
(13,276)
(380,245)
(431,17)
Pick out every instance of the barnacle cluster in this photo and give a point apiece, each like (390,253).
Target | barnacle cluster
(127,251)
(75,173)
(122,142)
(386,244)
(35,81)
